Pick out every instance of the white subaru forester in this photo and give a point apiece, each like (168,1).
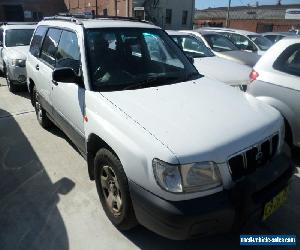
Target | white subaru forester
(182,155)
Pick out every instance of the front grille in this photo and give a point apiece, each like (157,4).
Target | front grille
(248,161)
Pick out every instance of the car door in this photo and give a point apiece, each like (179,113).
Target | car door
(1,49)
(68,98)
(44,67)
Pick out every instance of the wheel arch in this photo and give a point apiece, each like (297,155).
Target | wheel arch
(286,112)
(30,89)
(94,143)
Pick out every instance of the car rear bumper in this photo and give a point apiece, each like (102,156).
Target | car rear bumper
(218,213)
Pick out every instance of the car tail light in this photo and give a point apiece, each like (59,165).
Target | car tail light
(253,75)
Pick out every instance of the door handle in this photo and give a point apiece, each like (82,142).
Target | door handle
(37,67)
(55,82)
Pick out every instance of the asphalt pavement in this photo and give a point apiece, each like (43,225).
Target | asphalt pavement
(48,202)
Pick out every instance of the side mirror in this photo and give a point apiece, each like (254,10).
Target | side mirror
(66,75)
(191,59)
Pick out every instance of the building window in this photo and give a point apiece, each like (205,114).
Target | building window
(168,16)
(184,17)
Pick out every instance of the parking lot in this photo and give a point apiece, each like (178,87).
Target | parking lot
(48,202)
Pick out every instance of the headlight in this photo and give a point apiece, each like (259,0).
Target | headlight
(192,177)
(18,62)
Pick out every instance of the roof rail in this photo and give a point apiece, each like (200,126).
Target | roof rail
(64,18)
(18,23)
(76,18)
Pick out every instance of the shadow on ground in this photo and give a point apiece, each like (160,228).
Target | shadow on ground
(29,216)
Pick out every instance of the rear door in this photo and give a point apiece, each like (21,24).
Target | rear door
(34,53)
(68,98)
(44,67)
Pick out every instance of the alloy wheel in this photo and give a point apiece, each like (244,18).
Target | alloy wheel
(111,190)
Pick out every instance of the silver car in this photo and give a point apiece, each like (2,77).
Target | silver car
(276,80)
(14,46)
(223,47)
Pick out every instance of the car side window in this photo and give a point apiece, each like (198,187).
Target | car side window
(49,47)
(289,60)
(68,54)
(36,43)
(241,42)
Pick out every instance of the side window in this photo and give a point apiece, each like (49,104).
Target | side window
(37,40)
(1,38)
(49,47)
(272,38)
(289,60)
(241,42)
(68,54)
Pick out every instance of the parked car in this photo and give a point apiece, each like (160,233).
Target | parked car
(179,153)
(276,79)
(245,40)
(206,62)
(274,37)
(295,31)
(14,46)
(223,47)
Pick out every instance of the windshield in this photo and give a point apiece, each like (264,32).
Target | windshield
(20,37)
(192,46)
(220,43)
(129,58)
(262,42)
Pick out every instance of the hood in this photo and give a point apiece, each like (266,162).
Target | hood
(242,57)
(19,52)
(200,120)
(223,70)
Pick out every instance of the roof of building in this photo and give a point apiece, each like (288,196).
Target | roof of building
(247,12)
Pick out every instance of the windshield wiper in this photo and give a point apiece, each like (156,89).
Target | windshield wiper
(151,82)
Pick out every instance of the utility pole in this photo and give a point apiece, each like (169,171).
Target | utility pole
(116,7)
(96,8)
(228,14)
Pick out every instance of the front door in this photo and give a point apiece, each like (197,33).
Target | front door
(68,98)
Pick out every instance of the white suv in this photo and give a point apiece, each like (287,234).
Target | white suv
(14,46)
(168,148)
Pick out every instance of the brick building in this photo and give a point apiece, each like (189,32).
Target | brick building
(29,10)
(101,7)
(253,18)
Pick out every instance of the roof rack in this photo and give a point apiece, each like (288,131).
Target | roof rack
(77,17)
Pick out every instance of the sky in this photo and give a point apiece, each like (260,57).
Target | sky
(203,4)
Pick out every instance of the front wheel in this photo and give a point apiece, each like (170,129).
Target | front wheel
(113,190)
(40,112)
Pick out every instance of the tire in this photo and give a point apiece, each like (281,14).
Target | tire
(10,84)
(111,181)
(41,115)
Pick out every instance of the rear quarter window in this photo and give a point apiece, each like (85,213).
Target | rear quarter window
(36,43)
(289,61)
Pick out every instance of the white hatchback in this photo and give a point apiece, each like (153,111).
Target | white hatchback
(276,80)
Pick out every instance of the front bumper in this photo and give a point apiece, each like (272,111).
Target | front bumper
(17,74)
(218,213)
